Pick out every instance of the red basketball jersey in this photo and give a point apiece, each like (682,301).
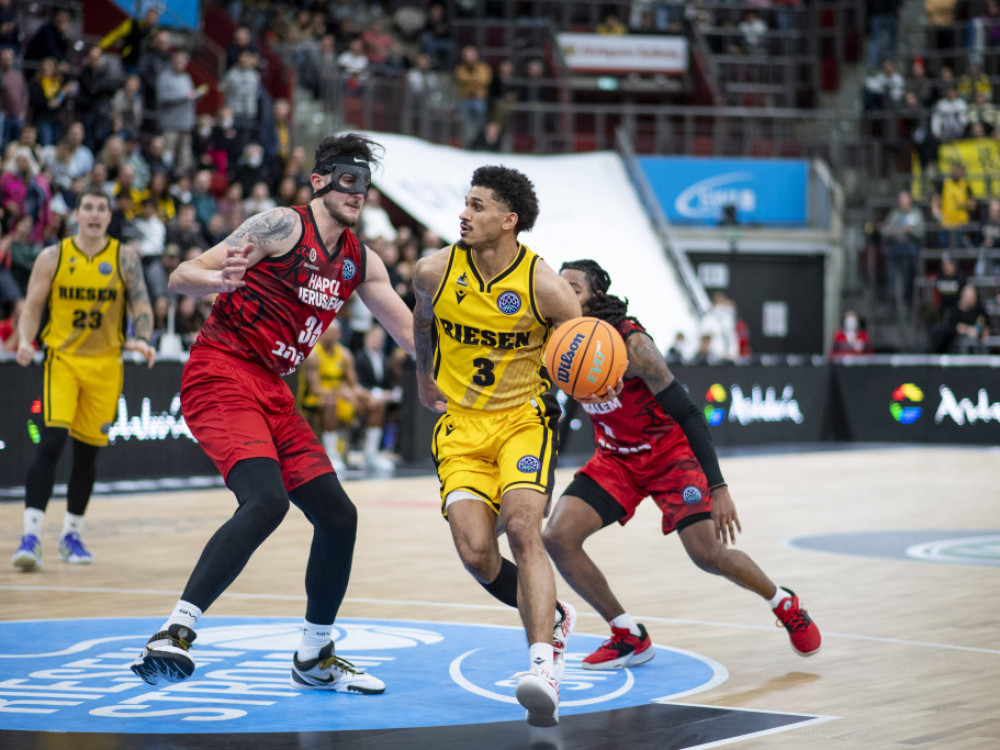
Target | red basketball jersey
(634,421)
(288,301)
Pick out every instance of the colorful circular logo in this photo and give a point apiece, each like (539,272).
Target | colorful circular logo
(348,269)
(691,495)
(509,303)
(104,269)
(905,407)
(528,464)
(715,409)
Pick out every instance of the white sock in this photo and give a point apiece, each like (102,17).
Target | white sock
(72,524)
(778,596)
(373,437)
(185,613)
(625,620)
(540,655)
(314,637)
(33,518)
(330,444)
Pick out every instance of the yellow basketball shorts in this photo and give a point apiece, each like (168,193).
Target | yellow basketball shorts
(81,394)
(490,453)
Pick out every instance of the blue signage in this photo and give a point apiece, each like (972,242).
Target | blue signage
(183,14)
(694,190)
(74,675)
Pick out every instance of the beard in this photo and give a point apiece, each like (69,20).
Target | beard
(463,245)
(335,213)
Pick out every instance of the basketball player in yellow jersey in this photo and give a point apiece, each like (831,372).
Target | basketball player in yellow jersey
(85,282)
(329,394)
(485,308)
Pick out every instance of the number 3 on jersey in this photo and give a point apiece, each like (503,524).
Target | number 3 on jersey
(484,375)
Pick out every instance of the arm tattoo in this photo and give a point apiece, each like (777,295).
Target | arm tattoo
(644,361)
(271,226)
(142,312)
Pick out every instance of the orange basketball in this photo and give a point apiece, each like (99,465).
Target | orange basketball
(584,356)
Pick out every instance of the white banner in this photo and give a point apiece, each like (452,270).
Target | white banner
(589,209)
(599,53)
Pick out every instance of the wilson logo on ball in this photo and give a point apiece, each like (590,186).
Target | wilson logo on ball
(584,356)
(566,360)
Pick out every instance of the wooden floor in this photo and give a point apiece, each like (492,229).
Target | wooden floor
(911,654)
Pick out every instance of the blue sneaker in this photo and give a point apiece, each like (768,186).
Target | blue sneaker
(29,554)
(71,550)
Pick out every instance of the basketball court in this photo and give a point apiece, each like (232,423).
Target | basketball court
(894,551)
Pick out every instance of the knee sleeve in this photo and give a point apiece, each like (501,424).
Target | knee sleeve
(82,477)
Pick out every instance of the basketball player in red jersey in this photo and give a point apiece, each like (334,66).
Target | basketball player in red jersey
(280,280)
(653,441)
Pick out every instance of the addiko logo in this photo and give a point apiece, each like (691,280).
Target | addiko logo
(905,407)
(715,410)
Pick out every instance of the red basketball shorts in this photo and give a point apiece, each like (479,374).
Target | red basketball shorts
(238,409)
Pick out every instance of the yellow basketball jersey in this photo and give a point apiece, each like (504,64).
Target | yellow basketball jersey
(489,336)
(332,371)
(86,305)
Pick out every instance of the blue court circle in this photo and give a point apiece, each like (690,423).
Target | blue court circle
(73,676)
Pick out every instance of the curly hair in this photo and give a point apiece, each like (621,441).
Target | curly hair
(513,189)
(601,305)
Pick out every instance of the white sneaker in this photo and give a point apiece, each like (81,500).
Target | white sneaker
(380,463)
(165,657)
(560,635)
(538,692)
(329,672)
(338,463)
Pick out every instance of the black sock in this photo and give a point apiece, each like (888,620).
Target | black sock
(504,586)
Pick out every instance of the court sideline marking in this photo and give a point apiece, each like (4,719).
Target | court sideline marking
(490,607)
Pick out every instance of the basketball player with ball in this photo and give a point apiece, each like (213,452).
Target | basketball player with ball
(651,441)
(485,307)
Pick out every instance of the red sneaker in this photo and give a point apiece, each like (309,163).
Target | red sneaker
(622,650)
(802,631)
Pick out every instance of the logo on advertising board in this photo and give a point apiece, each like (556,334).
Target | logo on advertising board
(705,199)
(147,425)
(964,411)
(74,675)
(764,404)
(905,407)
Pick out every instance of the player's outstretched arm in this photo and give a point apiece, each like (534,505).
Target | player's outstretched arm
(138,304)
(427,277)
(386,305)
(646,362)
(39,285)
(221,269)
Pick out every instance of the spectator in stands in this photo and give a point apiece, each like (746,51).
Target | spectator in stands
(375,221)
(436,38)
(949,117)
(153,61)
(92,103)
(883,30)
(383,50)
(982,113)
(472,79)
(251,168)
(23,250)
(278,139)
(965,327)
(10,26)
(676,354)
(753,32)
(23,191)
(427,94)
(126,106)
(158,274)
(83,157)
(502,95)
(946,286)
(133,34)
(956,204)
(51,40)
(13,99)
(923,89)
(612,25)
(851,338)
(719,324)
(59,159)
(122,227)
(902,236)
(538,88)
(260,200)
(151,233)
(490,138)
(242,42)
(47,97)
(205,205)
(241,86)
(990,24)
(987,240)
(158,191)
(175,101)
(184,231)
(378,377)
(353,64)
(884,89)
(974,81)
(940,23)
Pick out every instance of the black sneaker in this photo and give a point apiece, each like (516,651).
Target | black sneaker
(165,657)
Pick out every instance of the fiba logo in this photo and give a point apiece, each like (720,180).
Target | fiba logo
(104,269)
(715,409)
(905,407)
(509,303)
(528,464)
(691,495)
(348,270)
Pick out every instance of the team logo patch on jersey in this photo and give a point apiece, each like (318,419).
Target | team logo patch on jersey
(528,464)
(104,269)
(312,254)
(462,280)
(349,269)
(691,495)
(509,303)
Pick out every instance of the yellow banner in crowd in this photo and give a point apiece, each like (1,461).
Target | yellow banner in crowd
(979,156)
